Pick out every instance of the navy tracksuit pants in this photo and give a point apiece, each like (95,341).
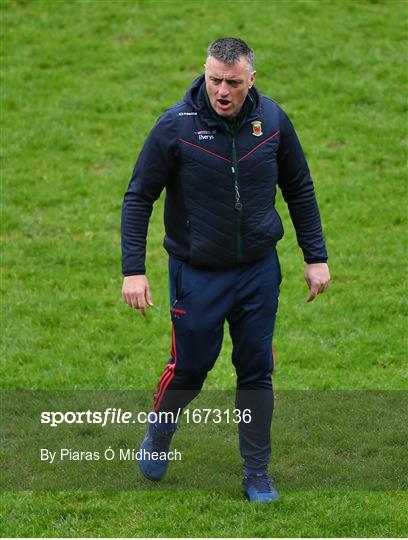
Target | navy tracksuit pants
(201,301)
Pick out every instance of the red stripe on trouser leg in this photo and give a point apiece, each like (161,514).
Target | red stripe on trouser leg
(159,391)
(168,373)
(165,380)
(173,343)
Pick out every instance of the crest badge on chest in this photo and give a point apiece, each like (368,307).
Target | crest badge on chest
(256,128)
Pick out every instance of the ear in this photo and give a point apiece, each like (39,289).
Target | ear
(252,79)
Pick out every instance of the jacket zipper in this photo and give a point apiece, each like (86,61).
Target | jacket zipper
(237,196)
(238,204)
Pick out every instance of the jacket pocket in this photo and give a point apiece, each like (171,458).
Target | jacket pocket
(175,280)
(179,282)
(270,230)
(276,227)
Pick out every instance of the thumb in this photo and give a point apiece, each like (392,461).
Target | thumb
(313,293)
(149,298)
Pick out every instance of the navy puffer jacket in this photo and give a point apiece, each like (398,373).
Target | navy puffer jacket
(220,181)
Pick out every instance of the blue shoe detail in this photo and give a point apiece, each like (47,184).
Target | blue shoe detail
(155,441)
(259,488)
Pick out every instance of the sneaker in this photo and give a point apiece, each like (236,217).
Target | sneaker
(155,441)
(259,488)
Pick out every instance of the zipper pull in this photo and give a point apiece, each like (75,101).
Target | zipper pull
(238,204)
(233,170)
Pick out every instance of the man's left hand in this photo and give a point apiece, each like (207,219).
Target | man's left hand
(317,277)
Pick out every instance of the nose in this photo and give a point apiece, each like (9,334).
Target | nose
(223,90)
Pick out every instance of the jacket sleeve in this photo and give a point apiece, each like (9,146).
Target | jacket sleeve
(298,192)
(152,171)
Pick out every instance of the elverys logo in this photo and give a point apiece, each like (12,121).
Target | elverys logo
(205,135)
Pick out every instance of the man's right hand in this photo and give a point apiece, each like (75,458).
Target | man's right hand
(136,293)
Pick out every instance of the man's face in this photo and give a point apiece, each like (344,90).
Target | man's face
(228,85)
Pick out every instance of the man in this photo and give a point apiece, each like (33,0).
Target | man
(220,153)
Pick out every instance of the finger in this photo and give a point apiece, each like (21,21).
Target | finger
(324,287)
(128,299)
(141,304)
(125,296)
(321,288)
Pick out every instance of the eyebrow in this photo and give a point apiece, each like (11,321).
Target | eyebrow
(215,77)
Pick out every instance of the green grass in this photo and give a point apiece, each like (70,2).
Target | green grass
(83,83)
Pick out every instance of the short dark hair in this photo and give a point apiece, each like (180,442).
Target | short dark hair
(229,51)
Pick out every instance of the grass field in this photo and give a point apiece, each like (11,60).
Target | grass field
(83,82)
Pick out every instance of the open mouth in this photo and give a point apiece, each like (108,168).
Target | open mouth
(224,104)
